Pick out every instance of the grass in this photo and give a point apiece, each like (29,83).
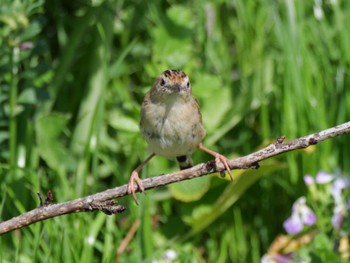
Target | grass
(69,111)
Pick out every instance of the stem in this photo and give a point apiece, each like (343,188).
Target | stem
(14,58)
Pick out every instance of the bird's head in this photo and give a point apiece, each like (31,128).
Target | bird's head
(172,83)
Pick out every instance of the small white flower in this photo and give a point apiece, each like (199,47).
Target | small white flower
(170,255)
(318,11)
(90,240)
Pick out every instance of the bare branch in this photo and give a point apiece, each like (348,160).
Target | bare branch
(103,201)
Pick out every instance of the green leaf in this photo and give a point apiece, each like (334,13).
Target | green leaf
(216,103)
(191,190)
(50,148)
(233,192)
(181,15)
(28,96)
(172,40)
(123,122)
(174,51)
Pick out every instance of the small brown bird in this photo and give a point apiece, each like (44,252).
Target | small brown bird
(171,123)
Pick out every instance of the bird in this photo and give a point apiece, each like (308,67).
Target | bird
(171,124)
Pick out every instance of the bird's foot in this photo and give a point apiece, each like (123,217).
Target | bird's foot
(222,159)
(134,178)
(218,159)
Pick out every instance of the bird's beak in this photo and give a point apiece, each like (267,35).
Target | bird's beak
(177,87)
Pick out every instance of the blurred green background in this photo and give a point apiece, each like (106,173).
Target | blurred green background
(73,75)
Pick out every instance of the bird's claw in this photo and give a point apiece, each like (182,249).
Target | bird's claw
(134,178)
(222,159)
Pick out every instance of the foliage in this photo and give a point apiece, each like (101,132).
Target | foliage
(73,75)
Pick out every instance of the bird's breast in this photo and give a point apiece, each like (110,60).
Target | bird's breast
(172,129)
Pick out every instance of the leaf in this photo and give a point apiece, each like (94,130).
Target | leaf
(174,51)
(172,39)
(122,122)
(51,149)
(181,16)
(191,190)
(234,191)
(217,102)
(28,96)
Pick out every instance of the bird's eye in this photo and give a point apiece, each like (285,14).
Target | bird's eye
(188,84)
(162,82)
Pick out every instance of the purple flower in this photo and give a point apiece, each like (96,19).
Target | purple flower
(324,178)
(301,215)
(309,180)
(340,208)
(339,183)
(277,258)
(26,45)
(338,215)
(286,258)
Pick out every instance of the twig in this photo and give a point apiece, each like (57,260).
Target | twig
(125,242)
(102,201)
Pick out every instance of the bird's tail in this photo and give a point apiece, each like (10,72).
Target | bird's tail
(185,161)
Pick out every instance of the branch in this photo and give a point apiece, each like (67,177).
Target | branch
(103,201)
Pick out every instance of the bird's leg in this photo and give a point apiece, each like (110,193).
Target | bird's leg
(218,158)
(134,177)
